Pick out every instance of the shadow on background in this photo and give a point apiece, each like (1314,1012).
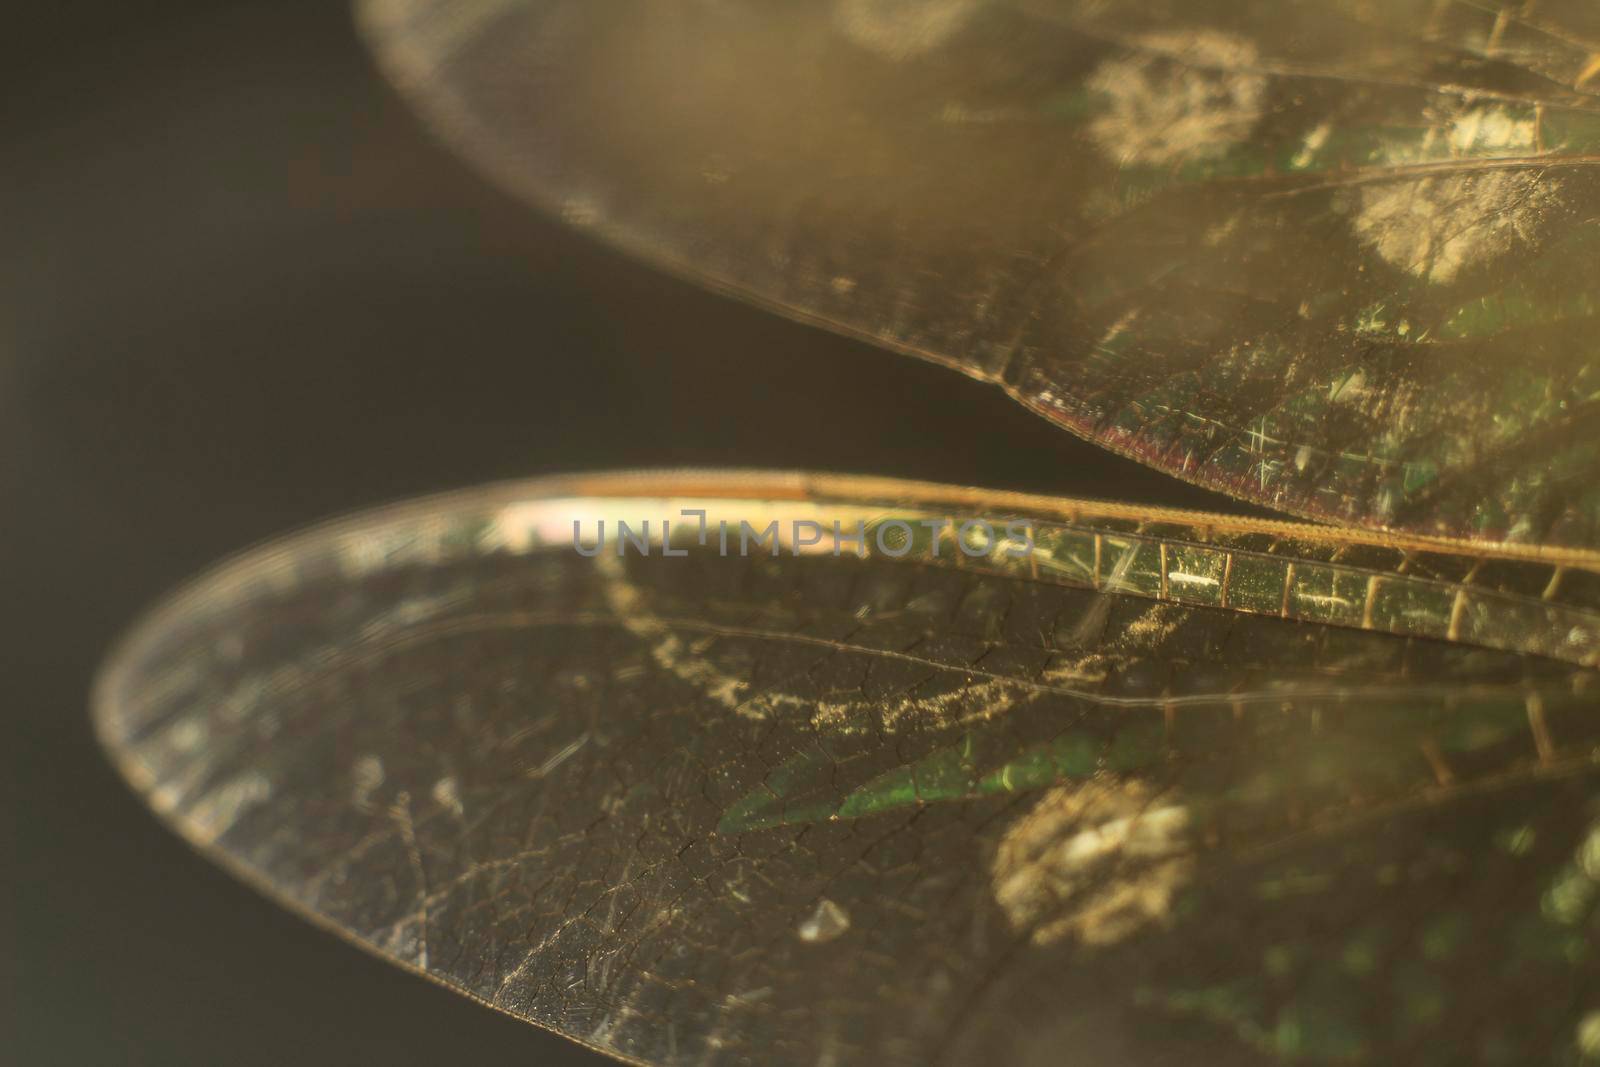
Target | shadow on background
(245,290)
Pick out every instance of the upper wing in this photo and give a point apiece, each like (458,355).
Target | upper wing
(1145,788)
(1336,257)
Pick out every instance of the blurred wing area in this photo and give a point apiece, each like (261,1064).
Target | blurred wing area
(1336,257)
(905,773)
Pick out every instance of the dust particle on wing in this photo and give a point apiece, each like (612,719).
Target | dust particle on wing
(826,923)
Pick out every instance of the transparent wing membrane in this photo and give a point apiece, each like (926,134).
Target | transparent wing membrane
(1337,258)
(904,773)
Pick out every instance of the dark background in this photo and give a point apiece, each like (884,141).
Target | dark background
(242,288)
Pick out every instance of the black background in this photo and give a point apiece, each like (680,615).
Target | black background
(243,288)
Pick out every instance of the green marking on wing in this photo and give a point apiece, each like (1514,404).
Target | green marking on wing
(1388,980)
(782,799)
(1067,757)
(946,774)
(1380,752)
(967,769)
(1546,294)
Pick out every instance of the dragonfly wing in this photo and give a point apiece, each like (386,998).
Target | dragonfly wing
(1141,787)
(1336,258)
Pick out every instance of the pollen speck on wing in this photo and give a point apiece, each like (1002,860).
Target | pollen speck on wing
(1436,227)
(1189,96)
(1096,861)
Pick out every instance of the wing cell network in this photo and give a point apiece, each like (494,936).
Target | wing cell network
(869,771)
(1337,258)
